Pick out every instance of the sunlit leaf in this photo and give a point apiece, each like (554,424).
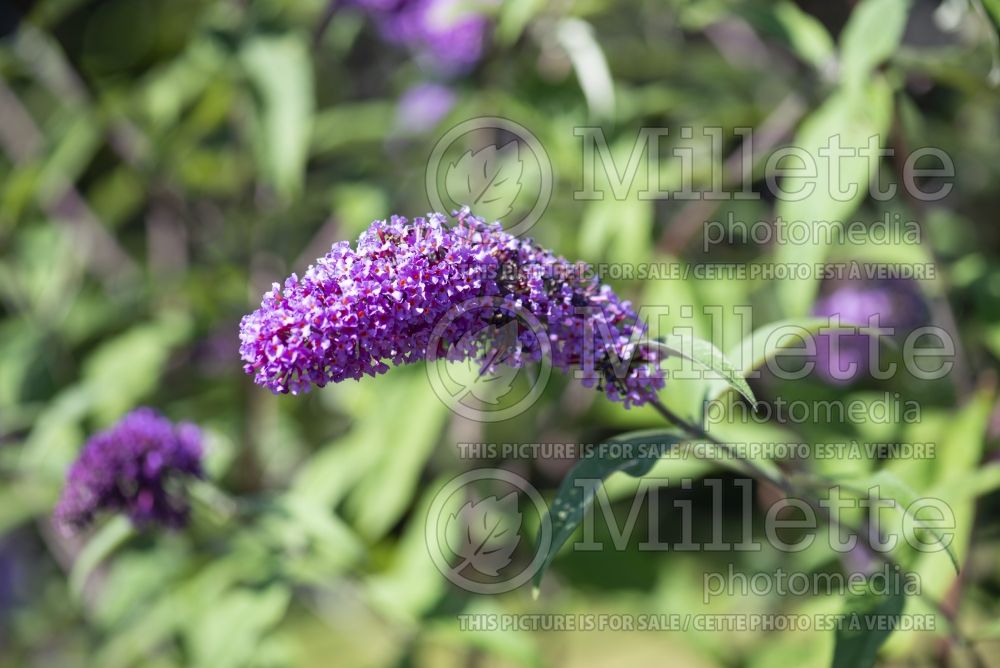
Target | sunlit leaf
(281,70)
(871,35)
(817,202)
(99,547)
(707,356)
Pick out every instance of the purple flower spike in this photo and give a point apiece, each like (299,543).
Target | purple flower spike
(135,468)
(356,311)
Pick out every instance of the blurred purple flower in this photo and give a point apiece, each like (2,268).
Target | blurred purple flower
(10,576)
(423,106)
(895,304)
(135,467)
(448,33)
(379,5)
(355,310)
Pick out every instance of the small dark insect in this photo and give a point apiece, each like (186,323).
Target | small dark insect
(609,377)
(549,283)
(504,338)
(500,318)
(510,279)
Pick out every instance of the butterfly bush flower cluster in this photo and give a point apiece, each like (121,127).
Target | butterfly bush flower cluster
(449,34)
(890,303)
(433,289)
(137,467)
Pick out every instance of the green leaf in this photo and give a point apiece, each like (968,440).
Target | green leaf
(989,11)
(961,450)
(235,624)
(806,34)
(75,150)
(124,370)
(514,18)
(100,546)
(133,580)
(411,584)
(577,37)
(959,453)
(639,450)
(706,355)
(183,605)
(617,230)
(828,195)
(520,649)
(976,483)
(281,70)
(905,496)
(351,124)
(993,7)
(57,434)
(989,631)
(23,498)
(765,342)
(319,545)
(869,621)
(892,487)
(384,491)
(871,35)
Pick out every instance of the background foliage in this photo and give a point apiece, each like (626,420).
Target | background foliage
(162,162)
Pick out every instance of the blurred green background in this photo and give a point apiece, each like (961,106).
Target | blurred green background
(163,161)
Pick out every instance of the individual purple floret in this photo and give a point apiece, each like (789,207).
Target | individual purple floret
(445,32)
(136,467)
(895,304)
(356,311)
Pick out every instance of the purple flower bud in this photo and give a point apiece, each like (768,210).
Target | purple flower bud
(895,304)
(135,467)
(356,311)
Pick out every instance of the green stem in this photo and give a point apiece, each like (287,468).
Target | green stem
(862,532)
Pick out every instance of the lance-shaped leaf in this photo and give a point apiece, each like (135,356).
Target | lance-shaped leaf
(707,356)
(634,453)
(101,545)
(872,35)
(869,620)
(280,68)
(904,497)
(825,197)
(888,486)
(766,342)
